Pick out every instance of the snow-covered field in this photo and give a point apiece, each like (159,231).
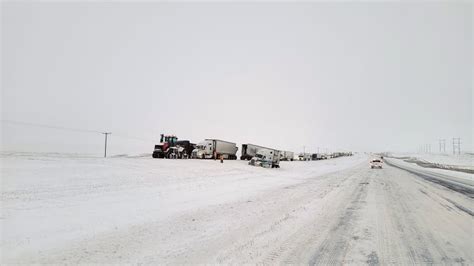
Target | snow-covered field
(465,160)
(71,209)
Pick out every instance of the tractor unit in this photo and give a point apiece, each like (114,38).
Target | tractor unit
(172,148)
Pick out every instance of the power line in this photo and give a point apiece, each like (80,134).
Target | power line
(48,126)
(134,138)
(70,129)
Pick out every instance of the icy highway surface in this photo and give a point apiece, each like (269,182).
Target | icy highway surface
(60,209)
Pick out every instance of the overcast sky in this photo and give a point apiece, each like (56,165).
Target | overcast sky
(364,77)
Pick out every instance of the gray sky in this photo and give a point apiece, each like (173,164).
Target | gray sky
(359,76)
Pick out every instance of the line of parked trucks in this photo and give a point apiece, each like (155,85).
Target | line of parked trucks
(321,156)
(172,148)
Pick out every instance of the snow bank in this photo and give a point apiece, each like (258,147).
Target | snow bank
(459,163)
(459,177)
(464,160)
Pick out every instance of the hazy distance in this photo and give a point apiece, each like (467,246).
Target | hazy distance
(361,77)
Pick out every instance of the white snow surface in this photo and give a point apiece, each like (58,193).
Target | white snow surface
(63,209)
(51,200)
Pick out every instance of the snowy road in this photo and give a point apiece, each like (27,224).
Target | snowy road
(347,213)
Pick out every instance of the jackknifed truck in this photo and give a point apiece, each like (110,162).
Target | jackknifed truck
(267,158)
(249,151)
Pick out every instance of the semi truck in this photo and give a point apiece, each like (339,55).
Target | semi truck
(326,156)
(316,156)
(304,157)
(287,156)
(214,149)
(267,158)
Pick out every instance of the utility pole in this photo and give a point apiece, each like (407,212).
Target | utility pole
(457,145)
(318,150)
(304,150)
(106,134)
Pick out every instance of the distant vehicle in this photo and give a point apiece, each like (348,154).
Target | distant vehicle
(304,157)
(287,155)
(214,149)
(316,156)
(172,148)
(376,163)
(267,158)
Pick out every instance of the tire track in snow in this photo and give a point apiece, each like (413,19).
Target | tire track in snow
(274,240)
(407,214)
(334,247)
(292,250)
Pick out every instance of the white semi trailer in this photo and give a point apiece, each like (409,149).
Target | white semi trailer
(250,150)
(214,149)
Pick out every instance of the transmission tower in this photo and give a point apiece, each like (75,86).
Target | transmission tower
(457,145)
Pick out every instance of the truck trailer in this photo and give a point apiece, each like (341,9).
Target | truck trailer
(316,156)
(250,150)
(214,149)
